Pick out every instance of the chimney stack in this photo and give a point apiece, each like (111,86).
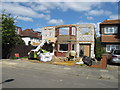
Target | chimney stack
(19,31)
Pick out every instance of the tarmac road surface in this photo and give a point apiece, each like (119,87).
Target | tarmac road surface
(25,74)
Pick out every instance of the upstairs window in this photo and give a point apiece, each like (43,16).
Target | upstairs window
(110,30)
(64,31)
(73,30)
(85,31)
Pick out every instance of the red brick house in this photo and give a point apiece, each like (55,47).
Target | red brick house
(110,34)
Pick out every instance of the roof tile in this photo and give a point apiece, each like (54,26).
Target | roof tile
(31,33)
(117,21)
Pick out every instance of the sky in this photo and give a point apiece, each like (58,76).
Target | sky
(39,14)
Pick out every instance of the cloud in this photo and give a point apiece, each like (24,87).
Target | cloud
(56,21)
(90,18)
(19,10)
(64,6)
(31,9)
(18,0)
(25,18)
(59,0)
(38,7)
(82,6)
(99,12)
(81,22)
(113,17)
(41,8)
(38,29)
(77,6)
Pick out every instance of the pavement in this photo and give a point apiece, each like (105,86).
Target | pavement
(111,73)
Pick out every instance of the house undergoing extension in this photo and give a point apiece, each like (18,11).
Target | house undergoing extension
(29,36)
(110,34)
(79,38)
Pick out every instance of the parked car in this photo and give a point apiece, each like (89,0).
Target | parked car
(114,56)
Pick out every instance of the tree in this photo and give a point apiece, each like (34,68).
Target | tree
(98,49)
(9,36)
(86,33)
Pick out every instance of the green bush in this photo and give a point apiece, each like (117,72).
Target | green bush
(99,50)
(13,57)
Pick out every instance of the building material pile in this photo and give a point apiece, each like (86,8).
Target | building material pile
(43,52)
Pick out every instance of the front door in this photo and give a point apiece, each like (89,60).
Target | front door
(84,50)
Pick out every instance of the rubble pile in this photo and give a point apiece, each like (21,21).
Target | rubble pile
(45,53)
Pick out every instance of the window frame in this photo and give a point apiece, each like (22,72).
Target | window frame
(62,50)
(64,30)
(113,28)
(110,47)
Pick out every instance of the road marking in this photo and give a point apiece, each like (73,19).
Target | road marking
(104,71)
(9,63)
(67,68)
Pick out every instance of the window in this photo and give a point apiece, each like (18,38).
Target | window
(63,47)
(85,31)
(64,31)
(110,30)
(110,47)
(118,47)
(73,30)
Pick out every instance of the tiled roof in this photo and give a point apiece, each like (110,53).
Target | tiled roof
(117,21)
(31,33)
(110,38)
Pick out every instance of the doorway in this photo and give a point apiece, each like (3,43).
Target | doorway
(84,50)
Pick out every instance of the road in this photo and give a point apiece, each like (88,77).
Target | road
(40,75)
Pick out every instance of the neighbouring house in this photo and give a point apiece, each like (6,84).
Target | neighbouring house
(71,37)
(30,36)
(110,34)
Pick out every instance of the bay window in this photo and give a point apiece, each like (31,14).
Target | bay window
(110,47)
